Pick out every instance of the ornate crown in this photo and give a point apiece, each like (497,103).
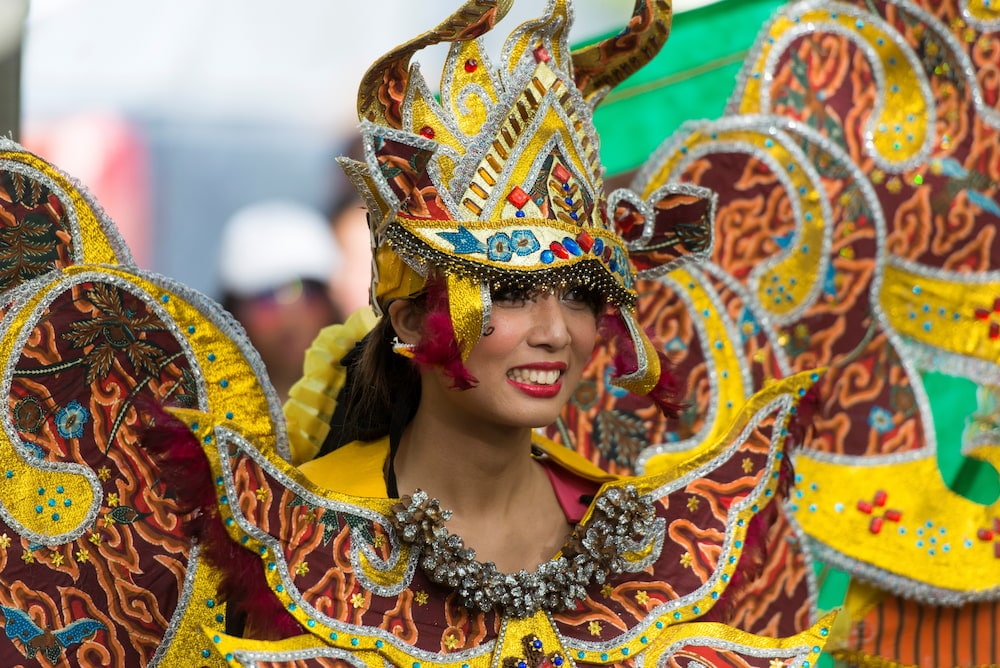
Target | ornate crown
(500,180)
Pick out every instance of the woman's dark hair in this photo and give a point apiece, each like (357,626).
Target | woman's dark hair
(380,394)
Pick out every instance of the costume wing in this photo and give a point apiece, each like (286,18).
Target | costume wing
(337,566)
(92,541)
(855,229)
(78,631)
(17,624)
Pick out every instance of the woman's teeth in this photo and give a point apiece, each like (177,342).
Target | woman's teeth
(534,376)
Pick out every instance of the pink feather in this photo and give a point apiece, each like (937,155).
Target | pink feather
(625,361)
(439,347)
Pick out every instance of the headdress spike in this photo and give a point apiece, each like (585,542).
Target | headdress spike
(548,32)
(601,66)
(383,86)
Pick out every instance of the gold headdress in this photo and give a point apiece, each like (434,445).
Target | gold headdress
(500,181)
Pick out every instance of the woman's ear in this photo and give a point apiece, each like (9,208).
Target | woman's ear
(407,320)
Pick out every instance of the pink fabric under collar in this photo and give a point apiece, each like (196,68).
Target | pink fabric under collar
(573,492)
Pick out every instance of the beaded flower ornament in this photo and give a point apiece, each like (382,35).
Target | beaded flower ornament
(499,183)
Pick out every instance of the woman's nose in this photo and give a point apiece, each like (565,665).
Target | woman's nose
(549,327)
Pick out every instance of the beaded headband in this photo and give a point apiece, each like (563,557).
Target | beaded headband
(500,182)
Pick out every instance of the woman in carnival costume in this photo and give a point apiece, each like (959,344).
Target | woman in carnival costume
(497,259)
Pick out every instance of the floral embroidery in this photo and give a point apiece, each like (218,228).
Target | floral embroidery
(70,420)
(499,248)
(880,419)
(524,242)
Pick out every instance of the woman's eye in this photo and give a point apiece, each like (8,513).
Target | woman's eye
(579,296)
(511,297)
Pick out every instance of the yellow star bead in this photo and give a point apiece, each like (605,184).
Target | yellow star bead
(747,465)
(642,597)
(777,663)
(594,628)
(379,540)
(82,556)
(358,600)
(607,590)
(27,557)
(5,541)
(112,500)
(421,597)
(261,493)
(302,568)
(686,560)
(104,473)
(693,503)
(108,520)
(57,559)
(95,538)
(451,642)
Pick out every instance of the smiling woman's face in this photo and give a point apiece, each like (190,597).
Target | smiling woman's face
(528,362)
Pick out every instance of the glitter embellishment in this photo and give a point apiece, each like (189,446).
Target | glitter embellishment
(622,519)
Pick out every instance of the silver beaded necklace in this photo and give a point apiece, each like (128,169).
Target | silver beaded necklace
(620,518)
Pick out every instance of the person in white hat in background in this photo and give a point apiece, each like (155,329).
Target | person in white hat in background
(276,259)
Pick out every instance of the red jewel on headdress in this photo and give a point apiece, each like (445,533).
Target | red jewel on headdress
(561,173)
(427,131)
(471,65)
(557,248)
(518,197)
(542,55)
(585,240)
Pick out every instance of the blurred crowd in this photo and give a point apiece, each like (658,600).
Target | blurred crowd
(286,270)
